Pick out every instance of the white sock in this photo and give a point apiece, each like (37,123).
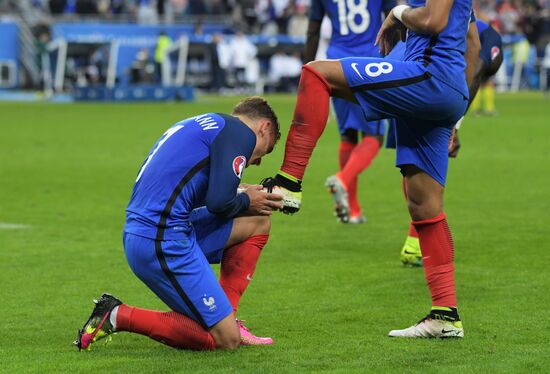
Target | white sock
(112,317)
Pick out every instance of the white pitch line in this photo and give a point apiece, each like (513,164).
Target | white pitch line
(12,226)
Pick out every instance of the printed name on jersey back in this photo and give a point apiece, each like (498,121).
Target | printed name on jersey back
(206,122)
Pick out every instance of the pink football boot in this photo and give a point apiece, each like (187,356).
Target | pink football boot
(247,338)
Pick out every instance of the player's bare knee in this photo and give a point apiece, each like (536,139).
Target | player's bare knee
(262,225)
(328,69)
(423,210)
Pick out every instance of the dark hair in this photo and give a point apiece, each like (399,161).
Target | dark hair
(256,107)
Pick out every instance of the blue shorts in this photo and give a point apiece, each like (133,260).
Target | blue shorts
(426,108)
(178,271)
(350,116)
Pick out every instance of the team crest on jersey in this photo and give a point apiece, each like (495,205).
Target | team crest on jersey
(239,164)
(494,52)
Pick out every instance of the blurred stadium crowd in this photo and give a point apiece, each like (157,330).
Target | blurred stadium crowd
(233,53)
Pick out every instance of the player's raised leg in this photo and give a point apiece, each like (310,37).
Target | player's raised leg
(318,81)
(425,203)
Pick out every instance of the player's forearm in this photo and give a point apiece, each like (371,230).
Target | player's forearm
(312,41)
(430,19)
(228,208)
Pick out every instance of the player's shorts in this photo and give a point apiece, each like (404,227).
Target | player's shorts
(178,271)
(391,141)
(426,108)
(350,116)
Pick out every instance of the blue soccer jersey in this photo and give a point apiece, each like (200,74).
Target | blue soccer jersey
(443,54)
(355,24)
(197,162)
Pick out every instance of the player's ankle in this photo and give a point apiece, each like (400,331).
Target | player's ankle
(289,182)
(448,313)
(342,180)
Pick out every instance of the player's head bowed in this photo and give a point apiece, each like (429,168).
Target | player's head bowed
(258,109)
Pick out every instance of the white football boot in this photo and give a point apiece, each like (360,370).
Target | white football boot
(340,196)
(431,327)
(291,200)
(291,191)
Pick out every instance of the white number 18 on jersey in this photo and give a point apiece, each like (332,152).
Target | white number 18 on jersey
(349,11)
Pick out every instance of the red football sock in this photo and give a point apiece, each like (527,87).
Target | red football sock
(360,159)
(171,328)
(438,256)
(308,123)
(238,265)
(346,148)
(344,152)
(412,229)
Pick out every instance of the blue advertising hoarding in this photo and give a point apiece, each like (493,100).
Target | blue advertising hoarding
(9,52)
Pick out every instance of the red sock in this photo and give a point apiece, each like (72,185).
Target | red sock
(171,328)
(238,265)
(360,159)
(308,123)
(412,229)
(346,148)
(438,256)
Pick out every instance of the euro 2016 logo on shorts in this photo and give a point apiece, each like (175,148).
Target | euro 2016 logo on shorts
(239,164)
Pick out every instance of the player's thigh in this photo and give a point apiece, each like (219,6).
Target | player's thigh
(212,233)
(389,88)
(422,156)
(332,72)
(245,227)
(179,274)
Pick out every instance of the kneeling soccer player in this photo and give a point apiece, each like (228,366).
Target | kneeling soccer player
(186,211)
(428,94)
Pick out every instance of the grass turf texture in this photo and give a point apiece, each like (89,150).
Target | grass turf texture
(326,292)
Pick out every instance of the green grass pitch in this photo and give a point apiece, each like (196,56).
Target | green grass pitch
(326,292)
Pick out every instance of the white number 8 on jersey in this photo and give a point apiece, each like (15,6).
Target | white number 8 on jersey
(375,69)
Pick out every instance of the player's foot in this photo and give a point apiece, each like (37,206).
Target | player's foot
(410,253)
(357,219)
(291,192)
(98,325)
(437,324)
(247,338)
(340,196)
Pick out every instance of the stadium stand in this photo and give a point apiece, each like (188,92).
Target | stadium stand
(107,49)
